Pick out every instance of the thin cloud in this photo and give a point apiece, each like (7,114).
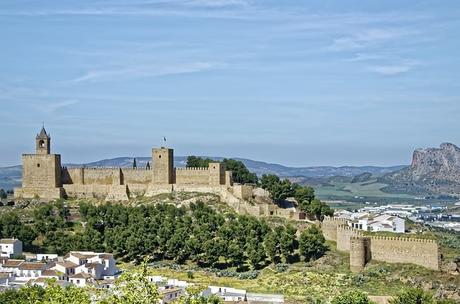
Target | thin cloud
(370,37)
(144,71)
(218,3)
(390,70)
(54,107)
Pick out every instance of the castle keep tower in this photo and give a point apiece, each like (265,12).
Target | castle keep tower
(41,172)
(163,166)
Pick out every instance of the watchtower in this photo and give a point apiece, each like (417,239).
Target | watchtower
(41,172)
(163,166)
(216,174)
(43,142)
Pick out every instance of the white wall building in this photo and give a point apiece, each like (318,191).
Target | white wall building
(373,222)
(10,248)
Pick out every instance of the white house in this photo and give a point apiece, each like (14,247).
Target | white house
(99,265)
(10,266)
(10,248)
(81,279)
(169,295)
(28,270)
(374,222)
(65,268)
(227,294)
(388,223)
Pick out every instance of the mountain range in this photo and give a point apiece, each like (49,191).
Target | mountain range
(10,177)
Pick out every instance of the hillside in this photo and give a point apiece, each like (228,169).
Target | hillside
(11,176)
(433,171)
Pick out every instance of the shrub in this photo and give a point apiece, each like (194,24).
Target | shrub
(352,297)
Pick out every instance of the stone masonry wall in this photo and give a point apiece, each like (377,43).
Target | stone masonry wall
(387,249)
(192,176)
(344,234)
(41,171)
(137,176)
(405,250)
(102,176)
(329,227)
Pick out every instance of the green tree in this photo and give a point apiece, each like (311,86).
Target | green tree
(312,243)
(287,242)
(3,194)
(197,162)
(55,294)
(240,173)
(279,189)
(133,287)
(413,296)
(303,195)
(352,297)
(267,181)
(255,253)
(318,209)
(272,246)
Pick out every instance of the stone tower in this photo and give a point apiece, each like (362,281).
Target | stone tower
(41,172)
(43,142)
(163,166)
(216,174)
(359,253)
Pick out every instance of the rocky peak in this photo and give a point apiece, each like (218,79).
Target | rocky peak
(437,170)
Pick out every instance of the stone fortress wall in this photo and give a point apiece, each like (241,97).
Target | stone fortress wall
(45,178)
(363,248)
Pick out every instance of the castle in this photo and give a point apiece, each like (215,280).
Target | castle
(362,248)
(44,177)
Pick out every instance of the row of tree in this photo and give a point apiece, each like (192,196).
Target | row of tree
(198,234)
(240,173)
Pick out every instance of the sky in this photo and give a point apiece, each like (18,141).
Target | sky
(301,83)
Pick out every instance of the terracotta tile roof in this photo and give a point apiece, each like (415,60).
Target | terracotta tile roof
(92,265)
(32,266)
(13,263)
(67,264)
(50,273)
(81,275)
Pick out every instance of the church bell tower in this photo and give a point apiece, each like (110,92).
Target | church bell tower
(43,142)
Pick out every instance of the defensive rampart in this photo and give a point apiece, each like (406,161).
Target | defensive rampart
(406,250)
(192,176)
(363,248)
(329,228)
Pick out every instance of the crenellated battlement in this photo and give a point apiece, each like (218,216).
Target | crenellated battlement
(402,239)
(393,249)
(348,228)
(328,219)
(192,169)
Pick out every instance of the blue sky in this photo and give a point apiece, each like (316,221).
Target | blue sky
(294,82)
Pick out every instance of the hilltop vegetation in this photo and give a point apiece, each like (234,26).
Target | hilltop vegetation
(157,231)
